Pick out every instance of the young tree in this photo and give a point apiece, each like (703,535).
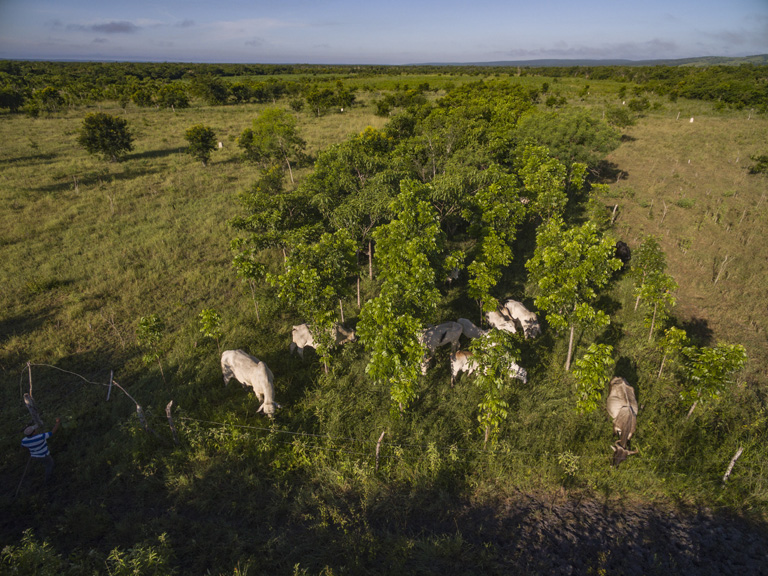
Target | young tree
(202,142)
(273,139)
(569,267)
(149,335)
(592,372)
(657,292)
(391,324)
(314,282)
(648,259)
(250,270)
(709,370)
(210,325)
(106,135)
(672,343)
(493,354)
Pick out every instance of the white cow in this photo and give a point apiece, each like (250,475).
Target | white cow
(519,314)
(501,322)
(302,337)
(463,361)
(470,330)
(250,371)
(622,406)
(439,335)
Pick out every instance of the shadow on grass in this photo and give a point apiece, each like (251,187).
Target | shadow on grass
(29,160)
(93,179)
(698,330)
(153,154)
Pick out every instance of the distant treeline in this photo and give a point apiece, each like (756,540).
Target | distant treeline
(35,87)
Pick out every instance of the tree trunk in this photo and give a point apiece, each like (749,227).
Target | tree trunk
(358,291)
(691,410)
(161,370)
(661,368)
(653,321)
(341,308)
(370,260)
(637,302)
(570,350)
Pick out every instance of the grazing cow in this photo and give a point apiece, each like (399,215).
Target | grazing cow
(470,330)
(439,335)
(462,361)
(622,406)
(302,337)
(623,252)
(620,454)
(250,371)
(501,322)
(519,314)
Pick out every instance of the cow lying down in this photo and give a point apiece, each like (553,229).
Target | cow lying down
(250,371)
(462,361)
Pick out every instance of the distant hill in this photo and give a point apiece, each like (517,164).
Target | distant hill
(760,59)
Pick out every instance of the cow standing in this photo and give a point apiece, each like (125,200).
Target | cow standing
(251,371)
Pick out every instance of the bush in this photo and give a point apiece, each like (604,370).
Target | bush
(106,135)
(202,142)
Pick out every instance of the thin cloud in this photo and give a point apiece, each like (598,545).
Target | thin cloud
(185,24)
(115,27)
(100,41)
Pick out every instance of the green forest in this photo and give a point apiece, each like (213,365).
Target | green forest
(158,215)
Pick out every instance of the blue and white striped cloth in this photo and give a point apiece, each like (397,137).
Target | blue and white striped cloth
(38,447)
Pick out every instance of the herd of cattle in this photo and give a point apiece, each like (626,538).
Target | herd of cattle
(510,317)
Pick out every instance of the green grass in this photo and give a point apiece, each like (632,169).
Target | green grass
(88,247)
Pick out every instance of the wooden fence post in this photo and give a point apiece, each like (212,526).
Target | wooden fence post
(733,461)
(109,391)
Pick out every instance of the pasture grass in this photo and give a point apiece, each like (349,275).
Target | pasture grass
(89,247)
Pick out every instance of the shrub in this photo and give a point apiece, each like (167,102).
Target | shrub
(106,135)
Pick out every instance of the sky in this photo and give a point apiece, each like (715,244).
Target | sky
(384,32)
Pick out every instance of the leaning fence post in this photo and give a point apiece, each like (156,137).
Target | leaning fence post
(30,402)
(378,448)
(170,422)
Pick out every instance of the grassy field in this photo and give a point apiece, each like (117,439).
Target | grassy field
(89,247)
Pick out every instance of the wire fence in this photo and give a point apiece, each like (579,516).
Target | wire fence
(403,448)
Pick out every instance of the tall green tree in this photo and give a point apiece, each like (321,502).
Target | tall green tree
(273,138)
(105,134)
(657,293)
(390,325)
(569,266)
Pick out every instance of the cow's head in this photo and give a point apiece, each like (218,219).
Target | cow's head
(620,454)
(269,408)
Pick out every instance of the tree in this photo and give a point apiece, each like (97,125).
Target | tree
(647,260)
(210,325)
(571,136)
(149,335)
(172,96)
(273,139)
(672,343)
(391,324)
(493,354)
(591,373)
(106,135)
(709,370)
(315,280)
(250,270)
(202,142)
(657,291)
(210,88)
(569,266)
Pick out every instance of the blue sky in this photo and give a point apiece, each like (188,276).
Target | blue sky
(394,32)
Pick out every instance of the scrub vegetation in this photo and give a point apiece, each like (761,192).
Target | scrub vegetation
(348,194)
